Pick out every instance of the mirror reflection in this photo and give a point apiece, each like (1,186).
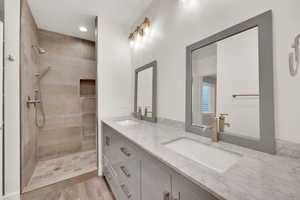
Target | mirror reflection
(226,83)
(144,92)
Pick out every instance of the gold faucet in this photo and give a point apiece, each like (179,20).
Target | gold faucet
(215,137)
(217,126)
(222,122)
(139,114)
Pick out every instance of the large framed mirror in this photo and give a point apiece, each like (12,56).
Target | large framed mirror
(229,76)
(145,92)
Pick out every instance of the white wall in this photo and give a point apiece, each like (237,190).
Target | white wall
(114,74)
(176,24)
(12,100)
(237,73)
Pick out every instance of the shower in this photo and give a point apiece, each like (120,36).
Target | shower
(40,118)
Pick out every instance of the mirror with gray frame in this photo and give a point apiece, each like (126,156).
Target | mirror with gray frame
(230,75)
(145,92)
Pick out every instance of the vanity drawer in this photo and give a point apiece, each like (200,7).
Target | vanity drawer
(115,188)
(117,149)
(129,174)
(111,178)
(108,170)
(119,188)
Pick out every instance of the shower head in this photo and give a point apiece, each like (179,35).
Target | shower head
(39,49)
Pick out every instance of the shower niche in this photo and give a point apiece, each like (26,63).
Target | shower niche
(87,87)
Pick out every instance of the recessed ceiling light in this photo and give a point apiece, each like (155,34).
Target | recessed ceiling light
(83,29)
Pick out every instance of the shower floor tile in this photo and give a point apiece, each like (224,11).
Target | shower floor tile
(55,170)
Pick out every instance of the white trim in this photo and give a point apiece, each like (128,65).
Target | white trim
(12,98)
(1,106)
(11,196)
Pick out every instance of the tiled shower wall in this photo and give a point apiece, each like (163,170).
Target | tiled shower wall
(29,67)
(70,113)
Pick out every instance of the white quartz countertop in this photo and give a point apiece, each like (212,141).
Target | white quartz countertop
(256,176)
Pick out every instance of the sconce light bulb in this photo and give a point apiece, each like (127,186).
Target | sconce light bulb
(138,37)
(131,43)
(146,30)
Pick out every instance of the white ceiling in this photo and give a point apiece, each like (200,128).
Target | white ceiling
(65,16)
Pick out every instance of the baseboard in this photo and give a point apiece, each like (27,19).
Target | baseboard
(12,196)
(100,173)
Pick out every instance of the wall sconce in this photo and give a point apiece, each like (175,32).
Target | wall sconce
(139,32)
(146,25)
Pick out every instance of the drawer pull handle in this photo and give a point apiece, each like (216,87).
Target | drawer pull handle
(125,151)
(166,195)
(125,171)
(126,191)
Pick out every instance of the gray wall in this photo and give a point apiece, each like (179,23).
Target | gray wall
(29,66)
(70,117)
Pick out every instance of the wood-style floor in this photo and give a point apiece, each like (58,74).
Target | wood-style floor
(85,187)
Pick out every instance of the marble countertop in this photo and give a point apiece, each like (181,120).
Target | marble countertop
(257,175)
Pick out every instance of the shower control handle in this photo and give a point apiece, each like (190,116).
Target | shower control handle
(32,101)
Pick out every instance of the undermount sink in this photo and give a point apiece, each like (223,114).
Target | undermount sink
(211,157)
(127,122)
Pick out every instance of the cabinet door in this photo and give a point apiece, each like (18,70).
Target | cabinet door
(156,180)
(184,189)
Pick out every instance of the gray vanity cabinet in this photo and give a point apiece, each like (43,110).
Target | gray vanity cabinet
(156,180)
(183,189)
(134,174)
(121,165)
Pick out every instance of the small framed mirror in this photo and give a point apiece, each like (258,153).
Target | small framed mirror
(146,92)
(230,77)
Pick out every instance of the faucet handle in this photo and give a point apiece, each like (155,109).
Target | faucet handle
(227,124)
(206,128)
(224,114)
